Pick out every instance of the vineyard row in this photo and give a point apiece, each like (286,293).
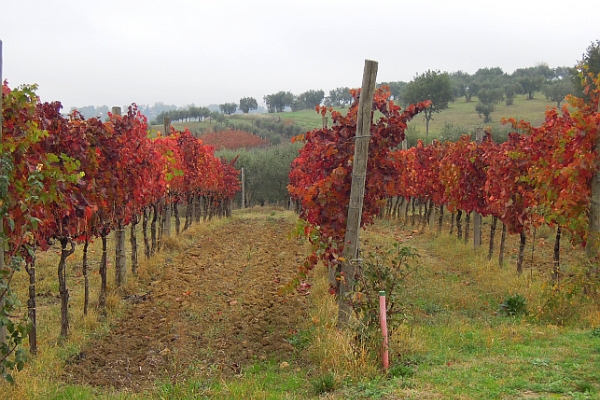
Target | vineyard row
(70,179)
(540,175)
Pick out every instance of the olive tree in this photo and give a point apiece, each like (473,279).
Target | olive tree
(431,85)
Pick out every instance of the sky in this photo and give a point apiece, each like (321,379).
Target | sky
(180,52)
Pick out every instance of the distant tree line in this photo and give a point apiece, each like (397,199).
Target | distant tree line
(278,102)
(228,108)
(191,113)
(489,86)
(92,111)
(151,112)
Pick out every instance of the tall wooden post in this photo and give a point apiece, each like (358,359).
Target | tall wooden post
(243,190)
(167,125)
(357,192)
(168,205)
(431,210)
(477,219)
(120,258)
(2,328)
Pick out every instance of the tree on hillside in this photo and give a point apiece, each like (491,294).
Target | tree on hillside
(228,108)
(589,63)
(217,116)
(199,112)
(431,85)
(298,104)
(562,73)
(472,89)
(247,104)
(530,79)
(194,111)
(277,102)
(203,112)
(308,100)
(488,98)
(461,85)
(530,84)
(510,91)
(557,90)
(339,97)
(543,69)
(493,76)
(181,115)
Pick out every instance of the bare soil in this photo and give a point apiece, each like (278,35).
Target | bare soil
(217,307)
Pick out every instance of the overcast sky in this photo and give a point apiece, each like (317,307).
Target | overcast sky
(182,51)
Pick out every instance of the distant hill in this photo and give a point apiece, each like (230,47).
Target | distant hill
(151,112)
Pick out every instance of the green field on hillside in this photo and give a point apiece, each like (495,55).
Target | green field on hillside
(459,114)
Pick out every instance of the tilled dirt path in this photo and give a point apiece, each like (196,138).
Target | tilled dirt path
(217,307)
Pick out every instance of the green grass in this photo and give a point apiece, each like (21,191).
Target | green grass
(462,346)
(308,119)
(473,359)
(463,114)
(264,380)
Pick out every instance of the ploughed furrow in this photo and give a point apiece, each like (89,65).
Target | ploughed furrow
(216,307)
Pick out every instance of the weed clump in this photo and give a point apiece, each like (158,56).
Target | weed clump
(383,271)
(401,370)
(324,384)
(514,305)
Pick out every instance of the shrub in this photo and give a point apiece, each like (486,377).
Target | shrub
(382,271)
(514,305)
(324,384)
(451,133)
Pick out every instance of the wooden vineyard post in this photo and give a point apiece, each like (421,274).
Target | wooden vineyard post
(243,189)
(357,191)
(431,216)
(168,205)
(592,249)
(477,219)
(2,328)
(120,258)
(167,125)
